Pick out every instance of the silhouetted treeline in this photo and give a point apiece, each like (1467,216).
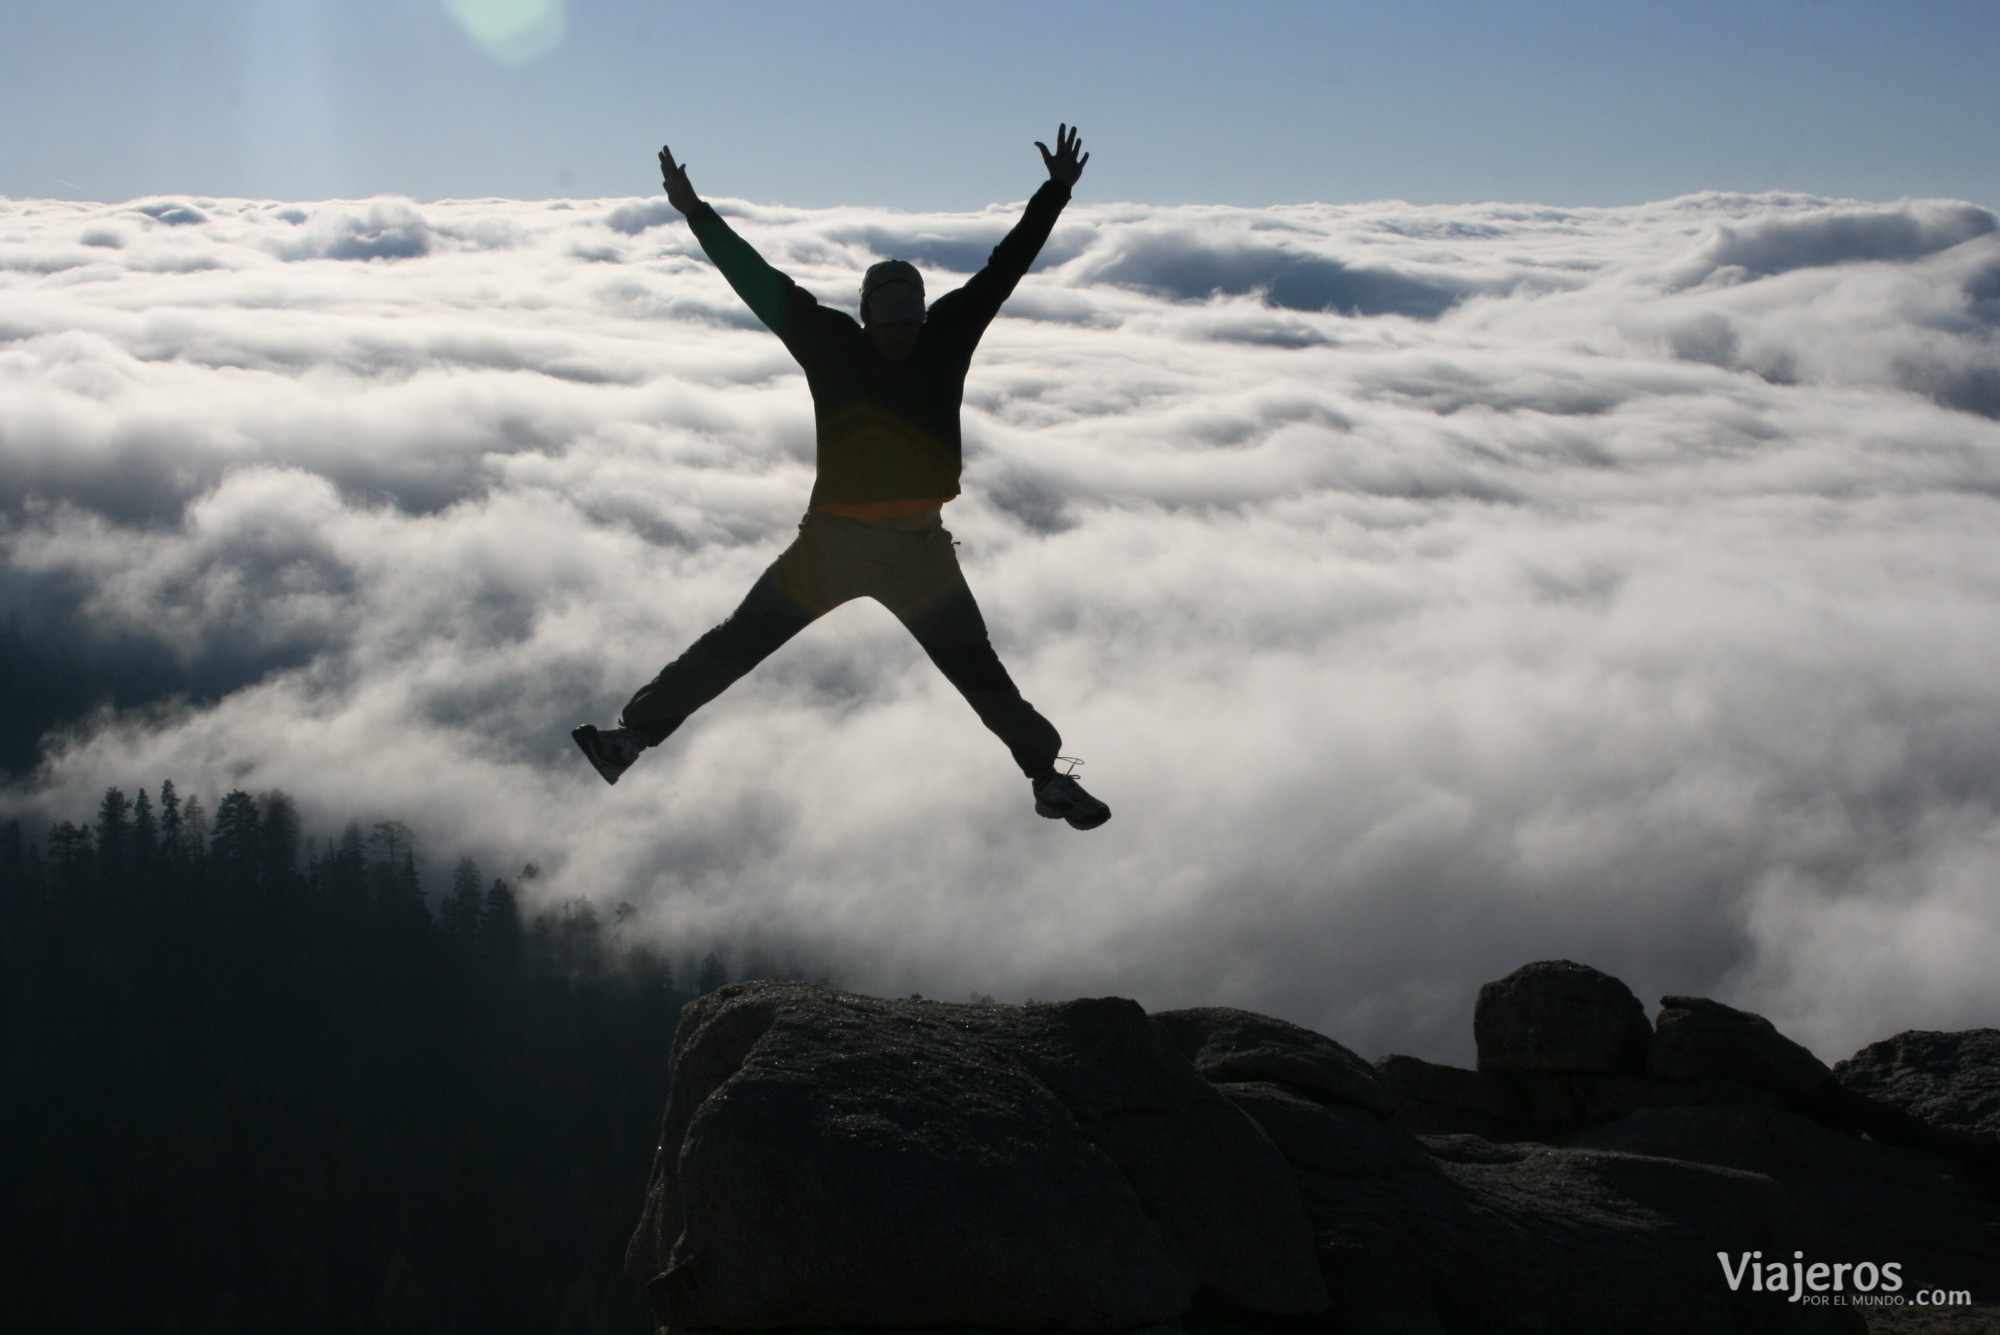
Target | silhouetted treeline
(250,1083)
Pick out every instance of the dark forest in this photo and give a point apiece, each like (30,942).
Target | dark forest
(252,1081)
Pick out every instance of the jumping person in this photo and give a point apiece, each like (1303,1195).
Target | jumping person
(886,395)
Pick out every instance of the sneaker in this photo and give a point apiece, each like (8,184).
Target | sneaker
(1061,797)
(612,751)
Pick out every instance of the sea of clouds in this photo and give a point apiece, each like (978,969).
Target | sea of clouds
(1429,589)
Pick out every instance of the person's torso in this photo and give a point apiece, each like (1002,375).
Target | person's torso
(887,430)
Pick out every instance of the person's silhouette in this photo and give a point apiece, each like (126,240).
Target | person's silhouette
(886,396)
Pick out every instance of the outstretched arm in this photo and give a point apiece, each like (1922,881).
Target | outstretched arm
(785,308)
(974,305)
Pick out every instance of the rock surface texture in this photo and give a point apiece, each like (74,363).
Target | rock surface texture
(1698,1039)
(1558,1017)
(1947,1085)
(837,1163)
(836,1160)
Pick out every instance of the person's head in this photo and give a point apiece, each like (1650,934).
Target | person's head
(892,307)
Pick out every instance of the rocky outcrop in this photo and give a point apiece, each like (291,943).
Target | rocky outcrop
(1881,1155)
(1558,1017)
(1695,1039)
(1940,1091)
(831,1162)
(1856,1198)
(1454,1234)
(1227,1045)
(836,1160)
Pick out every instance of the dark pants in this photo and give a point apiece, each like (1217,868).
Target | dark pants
(910,570)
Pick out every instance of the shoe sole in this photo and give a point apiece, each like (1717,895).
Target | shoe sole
(1076,821)
(585,737)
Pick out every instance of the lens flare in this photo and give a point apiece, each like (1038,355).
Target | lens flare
(513,32)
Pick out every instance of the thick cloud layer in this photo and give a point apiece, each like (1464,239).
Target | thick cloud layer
(1430,589)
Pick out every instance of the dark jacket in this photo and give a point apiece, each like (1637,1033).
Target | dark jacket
(888,431)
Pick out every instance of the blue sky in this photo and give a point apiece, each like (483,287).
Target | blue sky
(922,106)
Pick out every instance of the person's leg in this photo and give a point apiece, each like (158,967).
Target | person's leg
(928,594)
(758,627)
(806,581)
(931,598)
(975,669)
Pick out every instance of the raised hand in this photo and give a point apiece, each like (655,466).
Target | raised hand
(674,176)
(1063,164)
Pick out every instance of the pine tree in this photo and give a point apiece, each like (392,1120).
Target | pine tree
(71,857)
(237,840)
(500,927)
(13,869)
(193,840)
(279,840)
(579,940)
(170,822)
(353,849)
(459,914)
(114,834)
(399,891)
(145,834)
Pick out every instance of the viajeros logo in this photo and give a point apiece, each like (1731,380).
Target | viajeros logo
(1795,1279)
(1835,1284)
